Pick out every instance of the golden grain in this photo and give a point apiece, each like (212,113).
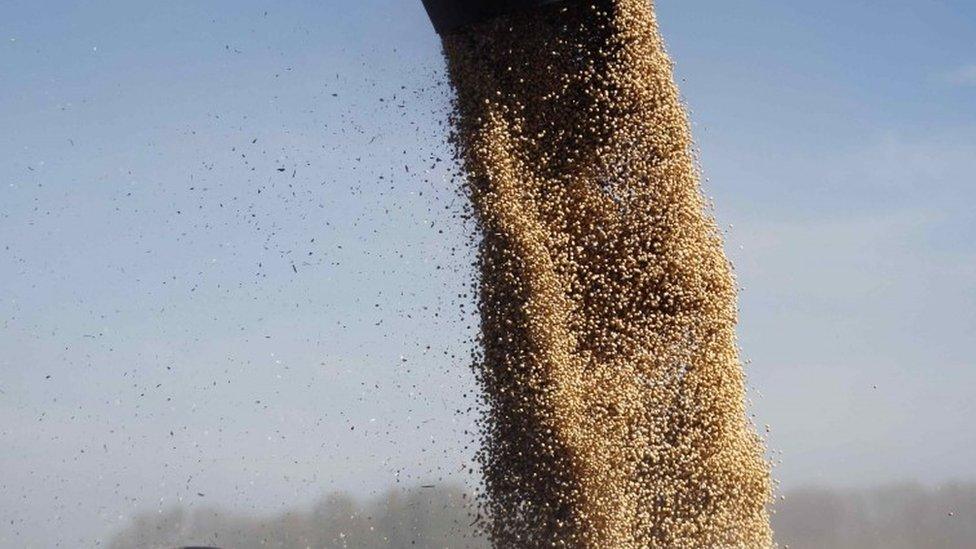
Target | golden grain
(615,409)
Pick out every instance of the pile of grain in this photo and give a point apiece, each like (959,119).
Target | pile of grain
(615,409)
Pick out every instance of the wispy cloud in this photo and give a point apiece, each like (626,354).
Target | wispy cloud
(962,76)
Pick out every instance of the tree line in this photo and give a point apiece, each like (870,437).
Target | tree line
(890,517)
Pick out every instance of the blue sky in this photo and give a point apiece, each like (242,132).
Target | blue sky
(212,325)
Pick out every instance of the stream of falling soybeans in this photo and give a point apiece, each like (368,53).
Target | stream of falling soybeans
(615,400)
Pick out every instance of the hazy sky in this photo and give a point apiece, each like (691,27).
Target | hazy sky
(230,262)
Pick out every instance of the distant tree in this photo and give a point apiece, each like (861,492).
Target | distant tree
(891,517)
(434,517)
